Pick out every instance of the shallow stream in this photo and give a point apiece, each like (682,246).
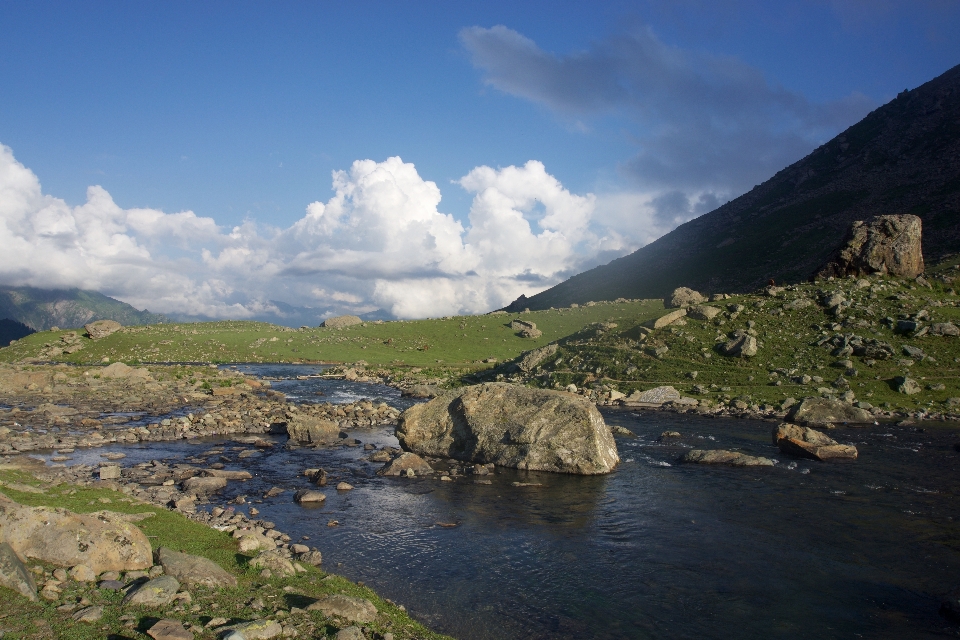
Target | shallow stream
(654,550)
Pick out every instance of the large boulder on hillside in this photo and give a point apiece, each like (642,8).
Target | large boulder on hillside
(102,328)
(512,426)
(684,297)
(805,442)
(883,244)
(103,540)
(341,322)
(13,575)
(311,429)
(530,360)
(825,411)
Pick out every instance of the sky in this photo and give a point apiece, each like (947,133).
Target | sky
(224,159)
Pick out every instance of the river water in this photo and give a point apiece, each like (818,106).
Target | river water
(654,550)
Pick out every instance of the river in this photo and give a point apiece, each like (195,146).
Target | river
(655,549)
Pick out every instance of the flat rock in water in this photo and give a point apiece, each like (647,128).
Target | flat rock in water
(193,570)
(346,607)
(805,442)
(825,411)
(169,629)
(229,475)
(404,463)
(512,426)
(722,456)
(153,593)
(304,428)
(14,575)
(204,485)
(308,496)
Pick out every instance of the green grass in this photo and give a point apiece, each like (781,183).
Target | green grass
(167,528)
(455,341)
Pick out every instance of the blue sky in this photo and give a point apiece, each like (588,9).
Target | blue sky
(638,115)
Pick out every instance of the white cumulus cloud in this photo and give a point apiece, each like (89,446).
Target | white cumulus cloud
(381,242)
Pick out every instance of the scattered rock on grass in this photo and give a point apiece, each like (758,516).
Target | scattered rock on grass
(153,593)
(193,570)
(169,629)
(14,575)
(346,607)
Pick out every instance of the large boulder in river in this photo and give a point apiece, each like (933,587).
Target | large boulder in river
(722,456)
(341,322)
(103,540)
(883,244)
(512,426)
(304,428)
(805,442)
(826,411)
(102,328)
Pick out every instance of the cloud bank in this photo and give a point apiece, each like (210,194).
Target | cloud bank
(702,123)
(381,242)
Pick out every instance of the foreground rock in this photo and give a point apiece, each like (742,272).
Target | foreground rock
(406,464)
(883,244)
(825,411)
(512,426)
(169,629)
(153,593)
(652,397)
(722,456)
(193,570)
(103,541)
(805,442)
(13,575)
(346,607)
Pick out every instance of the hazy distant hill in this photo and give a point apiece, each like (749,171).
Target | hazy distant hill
(41,309)
(902,158)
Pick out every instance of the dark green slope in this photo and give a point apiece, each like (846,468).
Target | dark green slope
(41,309)
(902,158)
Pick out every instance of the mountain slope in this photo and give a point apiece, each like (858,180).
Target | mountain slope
(904,157)
(41,309)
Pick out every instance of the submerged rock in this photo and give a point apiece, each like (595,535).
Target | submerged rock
(722,456)
(805,442)
(512,426)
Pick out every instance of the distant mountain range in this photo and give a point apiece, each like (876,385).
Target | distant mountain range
(904,157)
(41,309)
(27,309)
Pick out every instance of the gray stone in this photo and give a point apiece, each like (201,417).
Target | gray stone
(305,428)
(944,329)
(512,426)
(656,396)
(346,607)
(169,629)
(204,485)
(193,570)
(102,328)
(421,391)
(102,540)
(703,312)
(741,345)
(404,463)
(13,575)
(805,442)
(825,411)
(341,322)
(887,244)
(109,472)
(912,352)
(668,319)
(531,359)
(721,456)
(350,633)
(153,593)
(309,496)
(89,614)
(684,297)
(275,561)
(906,385)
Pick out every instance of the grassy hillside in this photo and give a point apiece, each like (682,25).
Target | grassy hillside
(452,341)
(41,309)
(902,158)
